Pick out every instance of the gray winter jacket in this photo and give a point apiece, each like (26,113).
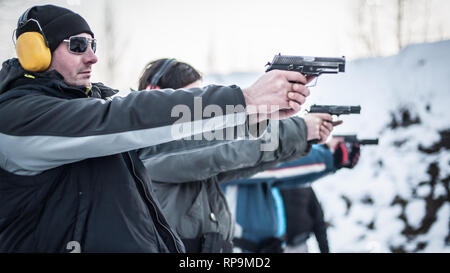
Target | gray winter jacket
(186,174)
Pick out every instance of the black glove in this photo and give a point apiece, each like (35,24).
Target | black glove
(346,155)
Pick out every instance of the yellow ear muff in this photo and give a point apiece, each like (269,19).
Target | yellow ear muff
(33,53)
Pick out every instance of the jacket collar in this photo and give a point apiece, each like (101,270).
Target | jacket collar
(12,75)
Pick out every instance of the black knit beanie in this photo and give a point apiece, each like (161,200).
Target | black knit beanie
(57,23)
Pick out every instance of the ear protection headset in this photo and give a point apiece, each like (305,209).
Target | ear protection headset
(167,64)
(32,47)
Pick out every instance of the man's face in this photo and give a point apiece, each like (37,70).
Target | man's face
(75,68)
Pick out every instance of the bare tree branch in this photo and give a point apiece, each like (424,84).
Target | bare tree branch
(427,18)
(399,22)
(110,43)
(367,22)
(114,42)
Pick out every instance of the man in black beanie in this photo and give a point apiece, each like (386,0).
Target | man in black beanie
(70,177)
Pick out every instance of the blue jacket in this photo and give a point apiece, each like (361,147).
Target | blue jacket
(256,202)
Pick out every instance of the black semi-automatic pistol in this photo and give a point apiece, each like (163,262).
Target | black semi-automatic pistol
(308,66)
(335,110)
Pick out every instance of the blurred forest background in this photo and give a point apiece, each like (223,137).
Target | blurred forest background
(240,36)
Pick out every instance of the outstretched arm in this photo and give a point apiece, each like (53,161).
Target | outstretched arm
(40,132)
(190,160)
(301,171)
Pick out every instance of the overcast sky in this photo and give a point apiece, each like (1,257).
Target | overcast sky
(237,35)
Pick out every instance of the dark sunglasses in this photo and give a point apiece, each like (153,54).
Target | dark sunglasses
(79,45)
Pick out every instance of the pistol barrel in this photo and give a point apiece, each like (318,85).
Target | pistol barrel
(368,141)
(354,139)
(335,109)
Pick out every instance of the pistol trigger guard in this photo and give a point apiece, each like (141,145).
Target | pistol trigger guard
(315,82)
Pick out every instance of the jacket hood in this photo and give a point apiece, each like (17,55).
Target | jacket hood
(12,72)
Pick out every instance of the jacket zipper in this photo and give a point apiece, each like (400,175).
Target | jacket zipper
(153,205)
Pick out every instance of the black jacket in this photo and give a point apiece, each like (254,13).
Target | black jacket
(70,179)
(304,216)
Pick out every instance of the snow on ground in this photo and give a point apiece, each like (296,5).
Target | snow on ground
(397,198)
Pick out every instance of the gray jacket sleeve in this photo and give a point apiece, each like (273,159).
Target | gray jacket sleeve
(191,160)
